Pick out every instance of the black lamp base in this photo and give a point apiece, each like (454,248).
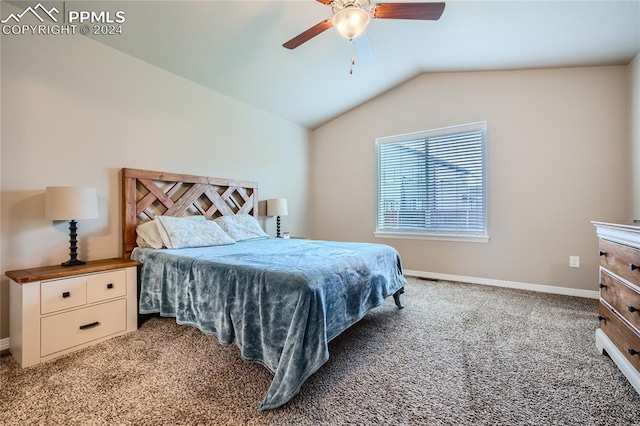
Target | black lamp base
(278,227)
(73,246)
(73,262)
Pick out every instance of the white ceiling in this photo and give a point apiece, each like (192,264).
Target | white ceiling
(235,47)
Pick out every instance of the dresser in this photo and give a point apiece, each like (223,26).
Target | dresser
(55,310)
(619,331)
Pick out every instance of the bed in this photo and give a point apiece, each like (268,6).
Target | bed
(281,301)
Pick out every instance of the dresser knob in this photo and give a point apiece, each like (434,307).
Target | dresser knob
(633,267)
(632,309)
(602,253)
(66,294)
(110,286)
(603,285)
(632,351)
(601,318)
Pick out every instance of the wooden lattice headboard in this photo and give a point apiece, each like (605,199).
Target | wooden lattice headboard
(147,194)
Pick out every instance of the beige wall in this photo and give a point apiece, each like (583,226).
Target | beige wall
(557,159)
(634,132)
(74,112)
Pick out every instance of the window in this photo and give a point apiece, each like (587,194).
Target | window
(432,184)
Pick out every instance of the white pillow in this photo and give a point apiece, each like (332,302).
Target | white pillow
(150,234)
(181,232)
(241,227)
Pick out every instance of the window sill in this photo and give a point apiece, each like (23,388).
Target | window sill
(432,236)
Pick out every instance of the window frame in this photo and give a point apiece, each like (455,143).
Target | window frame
(482,235)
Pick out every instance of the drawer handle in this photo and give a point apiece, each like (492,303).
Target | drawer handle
(110,286)
(632,351)
(601,318)
(602,253)
(66,294)
(633,267)
(632,309)
(93,324)
(603,285)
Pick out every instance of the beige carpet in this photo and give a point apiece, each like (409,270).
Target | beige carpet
(457,354)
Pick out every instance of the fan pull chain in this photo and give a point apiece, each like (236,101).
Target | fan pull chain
(353,63)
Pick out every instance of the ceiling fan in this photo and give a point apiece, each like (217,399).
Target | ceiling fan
(351,17)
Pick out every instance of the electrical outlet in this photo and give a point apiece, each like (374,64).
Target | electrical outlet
(574,261)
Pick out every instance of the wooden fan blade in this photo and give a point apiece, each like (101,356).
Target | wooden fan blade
(309,34)
(325,1)
(422,11)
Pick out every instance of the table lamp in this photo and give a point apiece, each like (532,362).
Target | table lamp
(277,207)
(71,203)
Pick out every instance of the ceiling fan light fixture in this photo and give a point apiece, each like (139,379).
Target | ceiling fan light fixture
(351,21)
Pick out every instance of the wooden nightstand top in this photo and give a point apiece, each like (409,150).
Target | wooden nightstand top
(22,276)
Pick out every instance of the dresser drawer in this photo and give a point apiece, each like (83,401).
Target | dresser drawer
(625,339)
(105,286)
(69,329)
(621,297)
(621,260)
(57,295)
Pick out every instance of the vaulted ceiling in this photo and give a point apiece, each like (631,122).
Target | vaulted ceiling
(235,47)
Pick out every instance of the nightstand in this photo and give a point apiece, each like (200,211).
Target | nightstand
(55,310)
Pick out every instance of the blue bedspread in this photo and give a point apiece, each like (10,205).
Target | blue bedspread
(281,301)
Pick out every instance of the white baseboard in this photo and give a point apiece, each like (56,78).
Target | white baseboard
(4,344)
(591,294)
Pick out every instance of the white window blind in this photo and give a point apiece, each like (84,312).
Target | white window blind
(433,183)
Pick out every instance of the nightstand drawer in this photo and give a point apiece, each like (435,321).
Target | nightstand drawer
(69,329)
(63,294)
(621,297)
(625,339)
(621,260)
(105,286)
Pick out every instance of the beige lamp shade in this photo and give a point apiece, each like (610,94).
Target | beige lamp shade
(277,207)
(71,203)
